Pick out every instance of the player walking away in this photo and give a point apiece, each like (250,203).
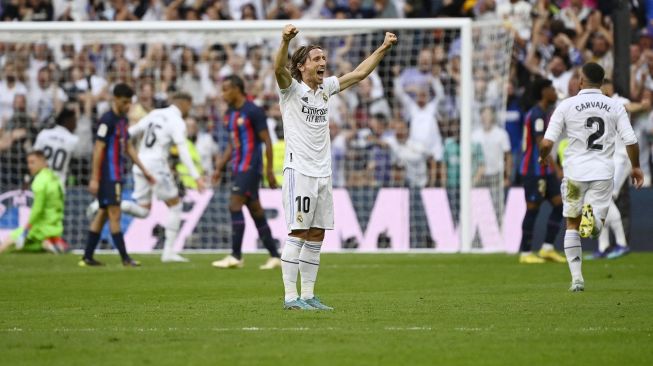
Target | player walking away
(307,187)
(540,182)
(591,120)
(622,170)
(247,126)
(45,224)
(58,143)
(161,129)
(106,178)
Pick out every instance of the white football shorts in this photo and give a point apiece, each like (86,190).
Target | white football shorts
(575,194)
(307,201)
(165,187)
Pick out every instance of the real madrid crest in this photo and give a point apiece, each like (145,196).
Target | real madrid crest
(325,97)
(300,218)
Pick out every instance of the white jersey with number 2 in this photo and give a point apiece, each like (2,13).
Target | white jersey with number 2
(306,126)
(592,122)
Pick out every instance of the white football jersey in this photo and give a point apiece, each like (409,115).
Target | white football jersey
(57,144)
(161,129)
(620,154)
(306,126)
(592,121)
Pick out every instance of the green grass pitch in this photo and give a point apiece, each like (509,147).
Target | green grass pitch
(407,309)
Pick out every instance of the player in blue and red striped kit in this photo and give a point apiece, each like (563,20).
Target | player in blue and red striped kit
(248,131)
(111,145)
(540,182)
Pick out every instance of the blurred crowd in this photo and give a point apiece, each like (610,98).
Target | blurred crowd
(399,127)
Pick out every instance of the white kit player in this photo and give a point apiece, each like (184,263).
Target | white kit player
(622,170)
(307,190)
(58,143)
(160,130)
(592,121)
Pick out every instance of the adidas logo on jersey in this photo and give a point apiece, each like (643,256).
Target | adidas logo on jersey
(305,99)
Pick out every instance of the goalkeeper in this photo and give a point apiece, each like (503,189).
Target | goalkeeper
(45,226)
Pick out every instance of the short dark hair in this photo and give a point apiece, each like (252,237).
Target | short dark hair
(538,87)
(65,115)
(299,57)
(594,73)
(123,90)
(236,81)
(37,153)
(183,96)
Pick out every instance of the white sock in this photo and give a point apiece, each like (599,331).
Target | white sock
(574,253)
(523,254)
(93,207)
(309,263)
(290,266)
(604,239)
(172,229)
(598,227)
(548,246)
(613,221)
(134,209)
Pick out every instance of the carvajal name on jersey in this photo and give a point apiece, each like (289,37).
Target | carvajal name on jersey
(315,115)
(600,105)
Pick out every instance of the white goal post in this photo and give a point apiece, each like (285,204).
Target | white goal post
(462,30)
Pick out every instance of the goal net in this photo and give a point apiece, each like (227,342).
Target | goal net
(418,159)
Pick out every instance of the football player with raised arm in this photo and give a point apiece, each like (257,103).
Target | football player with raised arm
(304,93)
(592,122)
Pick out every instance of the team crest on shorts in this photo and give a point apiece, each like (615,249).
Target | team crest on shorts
(300,218)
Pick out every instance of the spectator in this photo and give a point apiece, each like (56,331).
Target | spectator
(495,143)
(424,128)
(450,170)
(411,156)
(518,13)
(380,166)
(16,140)
(46,99)
(144,104)
(559,73)
(514,125)
(339,141)
(206,146)
(10,87)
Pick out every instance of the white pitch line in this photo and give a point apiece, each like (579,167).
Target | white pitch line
(216,329)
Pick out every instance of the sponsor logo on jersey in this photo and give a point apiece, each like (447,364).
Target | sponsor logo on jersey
(315,115)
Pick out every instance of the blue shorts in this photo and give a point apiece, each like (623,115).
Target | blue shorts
(539,188)
(246,184)
(109,193)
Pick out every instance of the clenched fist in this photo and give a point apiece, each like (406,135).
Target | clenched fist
(390,39)
(289,32)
